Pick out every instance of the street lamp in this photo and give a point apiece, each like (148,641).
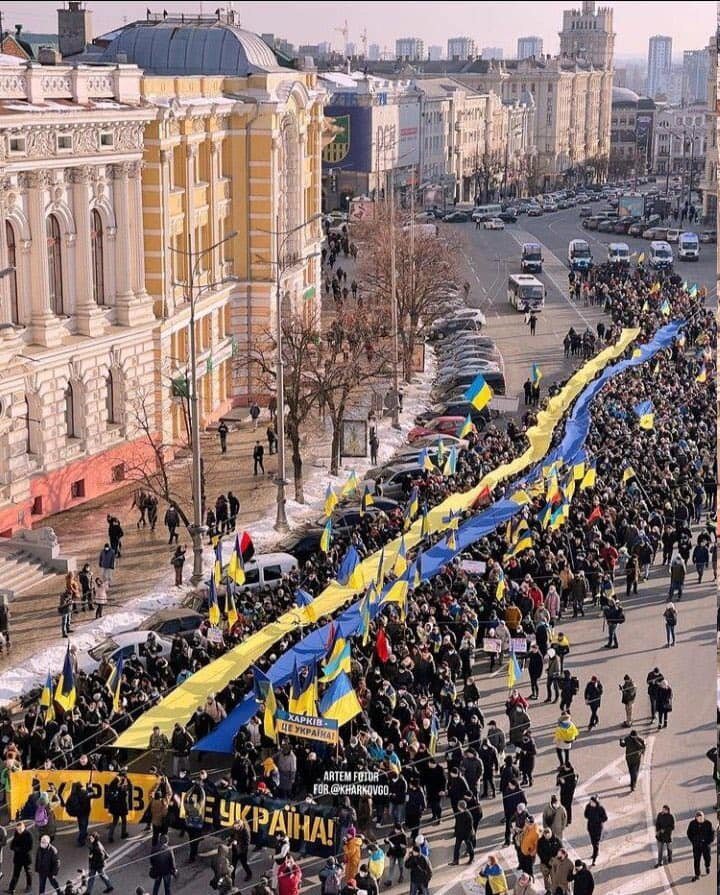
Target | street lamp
(196,529)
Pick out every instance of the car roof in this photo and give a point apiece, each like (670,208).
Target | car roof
(659,244)
(618,245)
(271,557)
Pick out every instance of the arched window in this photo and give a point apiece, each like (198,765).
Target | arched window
(112,397)
(98,270)
(12,272)
(57,303)
(71,428)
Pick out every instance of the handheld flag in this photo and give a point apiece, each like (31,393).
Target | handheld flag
(247,548)
(628,474)
(466,428)
(116,701)
(382,646)
(303,598)
(588,480)
(236,567)
(479,394)
(349,573)
(524,541)
(545,515)
(424,461)
(218,563)
(326,537)
(331,501)
(396,592)
(350,485)
(553,488)
(665,308)
(400,563)
(380,573)
(596,514)
(434,734)
(231,613)
(366,501)
(411,510)
(46,699)
(339,660)
(65,693)
(535,374)
(303,693)
(451,462)
(501,587)
(264,692)
(514,672)
(213,606)
(560,515)
(340,702)
(441,449)
(646,414)
(451,541)
(702,375)
(578,468)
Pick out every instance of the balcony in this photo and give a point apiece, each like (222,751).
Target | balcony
(200,195)
(177,196)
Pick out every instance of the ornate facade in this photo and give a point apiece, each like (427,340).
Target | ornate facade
(76,324)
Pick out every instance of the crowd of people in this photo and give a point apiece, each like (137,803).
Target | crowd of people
(420,678)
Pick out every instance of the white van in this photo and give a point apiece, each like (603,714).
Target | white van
(688,247)
(525,293)
(661,256)
(619,253)
(579,255)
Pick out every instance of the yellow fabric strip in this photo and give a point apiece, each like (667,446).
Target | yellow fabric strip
(182,702)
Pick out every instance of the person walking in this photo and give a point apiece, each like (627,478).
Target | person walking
(162,867)
(535,667)
(634,746)
(115,535)
(553,676)
(664,826)
(628,694)
(565,735)
(240,847)
(532,322)
(47,865)
(596,818)
(106,563)
(593,697)
(582,879)
(254,414)
(464,834)
(701,835)
(65,612)
(567,780)
(272,438)
(561,867)
(614,616)
(101,596)
(374,445)
(670,617)
(177,562)
(548,846)
(258,453)
(677,577)
(172,522)
(701,559)
(97,858)
(653,680)
(663,702)
(21,846)
(555,817)
(222,435)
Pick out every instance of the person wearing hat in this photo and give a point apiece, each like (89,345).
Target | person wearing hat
(547,848)
(596,818)
(493,876)
(352,850)
(464,833)
(527,841)
(593,697)
(567,780)
(552,676)
(524,885)
(582,879)
(628,694)
(701,835)
(397,843)
(119,802)
(420,872)
(634,747)
(664,826)
(565,735)
(560,869)
(330,877)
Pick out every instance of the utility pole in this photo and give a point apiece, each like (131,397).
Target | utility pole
(393,307)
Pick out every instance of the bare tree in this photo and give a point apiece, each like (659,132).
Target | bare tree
(422,270)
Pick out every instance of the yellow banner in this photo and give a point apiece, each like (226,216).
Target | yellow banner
(21,787)
(182,702)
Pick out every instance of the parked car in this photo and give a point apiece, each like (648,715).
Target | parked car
(605,226)
(494,224)
(509,216)
(636,229)
(302,543)
(394,481)
(169,622)
(449,327)
(267,570)
(125,646)
(708,236)
(535,211)
(440,425)
(673,235)
(346,519)
(585,212)
(457,217)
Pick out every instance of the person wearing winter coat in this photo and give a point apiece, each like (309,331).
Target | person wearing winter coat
(524,885)
(567,780)
(414,807)
(512,797)
(397,844)
(352,851)
(670,618)
(331,877)
(701,835)
(593,697)
(119,802)
(560,869)
(220,865)
(21,846)
(555,817)
(162,867)
(366,881)
(97,858)
(286,761)
(663,702)
(464,834)
(552,678)
(664,826)
(420,872)
(289,877)
(634,747)
(78,805)
(101,596)
(564,736)
(596,818)
(239,848)
(106,563)
(582,879)
(527,844)
(159,807)
(493,876)
(535,667)
(677,577)
(526,752)
(547,848)
(47,865)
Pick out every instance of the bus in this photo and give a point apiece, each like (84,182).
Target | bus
(486,212)
(526,293)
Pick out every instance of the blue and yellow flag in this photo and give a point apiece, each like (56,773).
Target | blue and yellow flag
(349,573)
(338,660)
(46,699)
(646,414)
(501,587)
(264,692)
(411,510)
(116,699)
(400,563)
(434,734)
(521,497)
(535,374)
(451,541)
(523,541)
(578,467)
(560,515)
(231,613)
(351,485)
(424,461)
(590,477)
(303,598)
(236,566)
(702,375)
(466,428)
(553,488)
(514,671)
(303,690)
(213,605)
(65,693)
(441,451)
(218,563)
(665,308)
(331,501)
(340,702)
(479,394)
(326,537)
(545,515)
(366,501)
(396,592)
(628,474)
(451,462)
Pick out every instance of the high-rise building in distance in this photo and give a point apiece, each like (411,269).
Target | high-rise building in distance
(492,53)
(436,53)
(528,47)
(588,34)
(659,65)
(460,48)
(695,69)
(411,48)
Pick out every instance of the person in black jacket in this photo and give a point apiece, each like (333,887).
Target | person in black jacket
(397,849)
(596,818)
(435,787)
(78,806)
(162,866)
(414,807)
(526,751)
(464,834)
(701,835)
(593,697)
(97,857)
(582,879)
(491,765)
(239,848)
(567,780)
(47,865)
(420,871)
(664,826)
(547,848)
(535,670)
(21,846)
(119,801)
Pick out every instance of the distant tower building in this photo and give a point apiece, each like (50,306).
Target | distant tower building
(529,46)
(695,71)
(374,52)
(410,48)
(587,34)
(659,65)
(349,48)
(436,53)
(492,53)
(74,28)
(461,48)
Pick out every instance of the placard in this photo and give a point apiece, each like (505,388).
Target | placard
(474,566)
(518,644)
(307,726)
(491,645)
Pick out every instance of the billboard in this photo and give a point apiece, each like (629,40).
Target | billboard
(350,150)
(631,205)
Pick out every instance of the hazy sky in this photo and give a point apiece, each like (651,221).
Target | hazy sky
(490,24)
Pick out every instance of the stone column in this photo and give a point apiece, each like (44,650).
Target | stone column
(89,317)
(45,327)
(132,303)
(214,226)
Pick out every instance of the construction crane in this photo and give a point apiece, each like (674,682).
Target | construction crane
(345,31)
(363,41)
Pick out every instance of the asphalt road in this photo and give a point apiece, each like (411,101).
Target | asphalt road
(675,770)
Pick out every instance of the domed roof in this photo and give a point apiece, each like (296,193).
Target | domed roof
(173,47)
(624,95)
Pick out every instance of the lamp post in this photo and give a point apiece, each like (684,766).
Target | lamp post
(196,529)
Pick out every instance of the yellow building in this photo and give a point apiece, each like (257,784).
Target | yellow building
(234,147)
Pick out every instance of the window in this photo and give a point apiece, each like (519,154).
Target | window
(55,265)
(64,142)
(77,489)
(71,427)
(107,140)
(12,272)
(98,270)
(17,145)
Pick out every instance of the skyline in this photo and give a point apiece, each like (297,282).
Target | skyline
(308,23)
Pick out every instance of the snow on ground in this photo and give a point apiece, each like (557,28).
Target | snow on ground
(315,468)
